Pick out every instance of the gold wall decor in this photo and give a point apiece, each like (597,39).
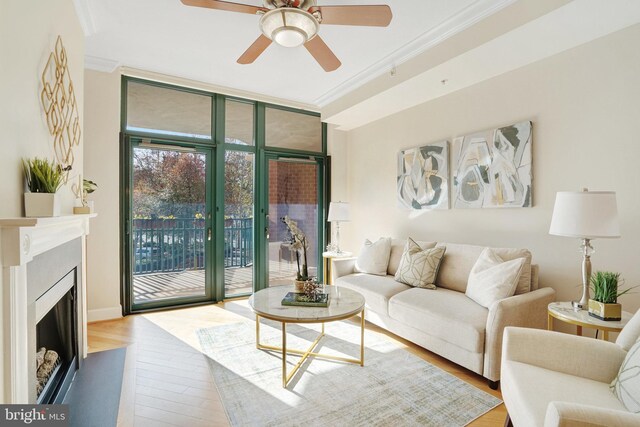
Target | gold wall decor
(61,109)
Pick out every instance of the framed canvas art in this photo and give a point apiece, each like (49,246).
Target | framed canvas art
(492,169)
(423,176)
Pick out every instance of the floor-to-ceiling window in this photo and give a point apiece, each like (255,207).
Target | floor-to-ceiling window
(295,190)
(239,197)
(206,180)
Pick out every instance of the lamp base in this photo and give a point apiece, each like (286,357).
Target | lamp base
(577,306)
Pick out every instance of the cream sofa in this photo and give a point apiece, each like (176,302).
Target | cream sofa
(445,321)
(552,379)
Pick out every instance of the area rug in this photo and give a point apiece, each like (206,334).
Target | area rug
(394,387)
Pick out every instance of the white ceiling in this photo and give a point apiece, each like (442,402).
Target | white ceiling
(164,36)
(566,27)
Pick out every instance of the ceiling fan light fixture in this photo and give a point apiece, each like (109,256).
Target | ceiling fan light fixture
(289,26)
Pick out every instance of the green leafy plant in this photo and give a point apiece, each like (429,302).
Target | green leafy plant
(88,187)
(604,285)
(42,175)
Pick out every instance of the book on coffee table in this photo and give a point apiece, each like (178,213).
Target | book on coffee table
(304,300)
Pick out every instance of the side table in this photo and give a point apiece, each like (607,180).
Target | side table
(327,258)
(564,312)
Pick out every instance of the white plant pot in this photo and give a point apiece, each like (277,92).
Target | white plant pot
(41,204)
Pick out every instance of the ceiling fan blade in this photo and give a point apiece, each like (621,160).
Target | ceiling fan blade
(321,52)
(225,5)
(254,50)
(370,16)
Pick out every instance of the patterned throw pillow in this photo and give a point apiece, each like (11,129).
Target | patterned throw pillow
(626,386)
(419,267)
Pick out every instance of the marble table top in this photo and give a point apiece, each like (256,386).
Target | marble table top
(564,311)
(343,303)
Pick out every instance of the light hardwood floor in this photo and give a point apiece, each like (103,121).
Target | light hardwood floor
(167,380)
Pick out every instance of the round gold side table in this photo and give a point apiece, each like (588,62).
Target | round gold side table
(327,264)
(564,312)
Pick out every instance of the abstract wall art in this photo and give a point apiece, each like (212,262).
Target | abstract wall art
(492,169)
(423,177)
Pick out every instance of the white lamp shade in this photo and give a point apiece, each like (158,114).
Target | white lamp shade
(585,215)
(338,211)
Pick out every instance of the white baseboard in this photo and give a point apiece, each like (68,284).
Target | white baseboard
(104,314)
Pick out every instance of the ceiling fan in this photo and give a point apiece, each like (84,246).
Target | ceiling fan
(291,23)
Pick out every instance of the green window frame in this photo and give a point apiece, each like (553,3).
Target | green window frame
(219,147)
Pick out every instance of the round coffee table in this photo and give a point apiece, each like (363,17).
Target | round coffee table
(343,304)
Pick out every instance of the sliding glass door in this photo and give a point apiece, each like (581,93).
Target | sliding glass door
(170,226)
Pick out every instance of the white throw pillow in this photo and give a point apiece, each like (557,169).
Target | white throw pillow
(492,279)
(419,267)
(626,386)
(374,257)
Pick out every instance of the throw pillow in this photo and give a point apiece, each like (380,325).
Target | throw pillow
(626,386)
(374,257)
(492,279)
(419,267)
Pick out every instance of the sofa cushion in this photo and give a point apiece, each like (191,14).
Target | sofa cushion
(377,290)
(374,257)
(456,265)
(442,313)
(460,259)
(626,385)
(397,249)
(530,389)
(492,279)
(535,271)
(419,267)
(630,333)
(525,281)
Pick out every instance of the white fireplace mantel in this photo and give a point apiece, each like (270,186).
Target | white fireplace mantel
(21,239)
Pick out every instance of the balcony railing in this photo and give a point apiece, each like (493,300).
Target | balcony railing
(177,244)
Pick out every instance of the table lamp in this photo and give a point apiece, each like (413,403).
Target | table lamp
(586,215)
(338,212)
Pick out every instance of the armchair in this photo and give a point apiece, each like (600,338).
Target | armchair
(555,379)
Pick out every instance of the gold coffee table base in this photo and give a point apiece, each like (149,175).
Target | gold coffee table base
(286,377)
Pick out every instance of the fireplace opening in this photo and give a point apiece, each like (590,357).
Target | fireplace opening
(57,348)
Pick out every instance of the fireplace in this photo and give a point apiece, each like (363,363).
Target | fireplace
(43,303)
(54,338)
(57,344)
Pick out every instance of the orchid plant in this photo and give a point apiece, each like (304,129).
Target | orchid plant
(299,244)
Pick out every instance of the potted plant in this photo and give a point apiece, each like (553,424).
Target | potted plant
(88,187)
(299,244)
(604,304)
(44,178)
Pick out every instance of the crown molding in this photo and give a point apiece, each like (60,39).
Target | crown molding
(85,17)
(100,64)
(548,35)
(452,26)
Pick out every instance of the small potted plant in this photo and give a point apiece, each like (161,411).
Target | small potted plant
(299,244)
(44,178)
(88,187)
(604,304)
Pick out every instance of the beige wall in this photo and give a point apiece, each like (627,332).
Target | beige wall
(28,32)
(101,162)
(586,114)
